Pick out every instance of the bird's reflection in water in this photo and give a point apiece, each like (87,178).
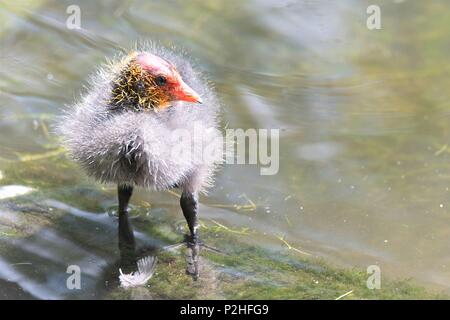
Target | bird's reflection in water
(142,262)
(127,242)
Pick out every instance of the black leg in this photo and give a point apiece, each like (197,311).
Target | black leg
(189,205)
(126,237)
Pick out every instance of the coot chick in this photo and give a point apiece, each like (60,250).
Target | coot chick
(147,119)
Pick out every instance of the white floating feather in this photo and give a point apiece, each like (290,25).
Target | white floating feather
(146,269)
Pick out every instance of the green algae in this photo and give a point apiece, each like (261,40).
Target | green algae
(248,272)
(239,271)
(43,173)
(24,216)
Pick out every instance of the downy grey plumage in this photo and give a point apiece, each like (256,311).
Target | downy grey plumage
(138,148)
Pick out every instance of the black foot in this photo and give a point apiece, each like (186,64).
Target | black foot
(192,259)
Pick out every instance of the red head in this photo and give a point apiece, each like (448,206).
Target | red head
(149,81)
(166,76)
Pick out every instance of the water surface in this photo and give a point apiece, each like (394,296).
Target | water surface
(364,116)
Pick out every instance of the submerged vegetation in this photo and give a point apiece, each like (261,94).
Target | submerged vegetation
(239,271)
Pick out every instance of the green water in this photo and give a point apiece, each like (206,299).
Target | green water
(364,148)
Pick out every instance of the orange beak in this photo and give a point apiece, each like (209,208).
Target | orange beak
(185,93)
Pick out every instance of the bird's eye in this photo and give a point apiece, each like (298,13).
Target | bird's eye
(160,80)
